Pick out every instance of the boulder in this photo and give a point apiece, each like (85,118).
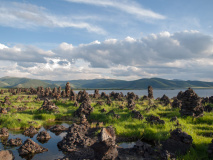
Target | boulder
(154,120)
(84,109)
(178,143)
(14,142)
(176,103)
(48,106)
(165,100)
(6,155)
(137,115)
(31,147)
(4,132)
(131,104)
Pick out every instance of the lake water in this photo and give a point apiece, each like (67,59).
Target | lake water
(158,93)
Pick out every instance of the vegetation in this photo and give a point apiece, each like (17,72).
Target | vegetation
(200,129)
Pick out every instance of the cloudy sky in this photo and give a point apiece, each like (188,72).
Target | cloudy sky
(119,39)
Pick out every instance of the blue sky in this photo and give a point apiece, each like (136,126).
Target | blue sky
(121,39)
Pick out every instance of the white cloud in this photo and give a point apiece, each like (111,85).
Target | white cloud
(25,15)
(126,6)
(179,55)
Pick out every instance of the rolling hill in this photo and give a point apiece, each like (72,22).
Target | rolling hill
(157,83)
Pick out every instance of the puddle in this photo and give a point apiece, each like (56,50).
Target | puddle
(53,151)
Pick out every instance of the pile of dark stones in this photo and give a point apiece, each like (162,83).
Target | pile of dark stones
(191,104)
(43,136)
(58,129)
(48,106)
(31,147)
(150,92)
(165,100)
(72,95)
(31,131)
(67,90)
(14,142)
(176,103)
(131,104)
(96,94)
(154,120)
(178,143)
(4,132)
(84,109)
(137,115)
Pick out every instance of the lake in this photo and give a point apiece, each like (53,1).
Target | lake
(158,93)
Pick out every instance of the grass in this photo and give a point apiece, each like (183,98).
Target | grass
(200,129)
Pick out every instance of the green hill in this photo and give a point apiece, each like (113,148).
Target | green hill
(156,83)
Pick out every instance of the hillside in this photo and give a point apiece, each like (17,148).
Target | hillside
(14,82)
(157,83)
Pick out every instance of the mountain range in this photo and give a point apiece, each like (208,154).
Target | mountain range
(156,83)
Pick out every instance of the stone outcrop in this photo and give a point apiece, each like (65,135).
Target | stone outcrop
(43,136)
(14,142)
(48,106)
(178,143)
(4,132)
(31,147)
(208,108)
(84,109)
(165,100)
(191,103)
(96,94)
(176,103)
(150,92)
(154,120)
(72,95)
(131,104)
(67,89)
(58,129)
(31,131)
(137,115)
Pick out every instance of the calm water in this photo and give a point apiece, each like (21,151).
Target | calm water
(158,93)
(53,151)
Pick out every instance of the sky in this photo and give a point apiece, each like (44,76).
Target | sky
(111,39)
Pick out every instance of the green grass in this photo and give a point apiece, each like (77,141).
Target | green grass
(200,129)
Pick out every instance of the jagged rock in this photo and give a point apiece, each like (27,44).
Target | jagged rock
(67,89)
(75,138)
(131,95)
(83,96)
(154,120)
(191,103)
(31,147)
(105,149)
(31,131)
(103,95)
(48,106)
(176,103)
(131,104)
(178,143)
(96,94)
(57,129)
(150,92)
(14,142)
(4,132)
(109,101)
(84,109)
(72,95)
(43,136)
(165,100)
(6,155)
(137,115)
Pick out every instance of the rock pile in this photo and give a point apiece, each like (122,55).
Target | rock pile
(131,104)
(31,131)
(191,103)
(154,120)
(58,129)
(4,132)
(75,138)
(165,100)
(178,143)
(208,108)
(150,92)
(176,103)
(30,147)
(67,89)
(105,148)
(6,101)
(48,106)
(43,136)
(72,95)
(84,109)
(14,142)
(96,94)
(137,115)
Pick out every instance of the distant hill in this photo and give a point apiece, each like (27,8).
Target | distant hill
(14,82)
(156,83)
